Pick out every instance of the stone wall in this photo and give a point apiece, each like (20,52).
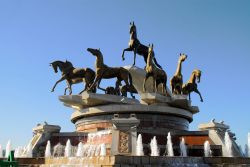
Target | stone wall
(136,161)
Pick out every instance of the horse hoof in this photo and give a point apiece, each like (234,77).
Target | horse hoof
(123,59)
(52,91)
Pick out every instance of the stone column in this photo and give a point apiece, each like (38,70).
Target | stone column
(124,135)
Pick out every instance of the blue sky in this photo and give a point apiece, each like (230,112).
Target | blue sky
(214,34)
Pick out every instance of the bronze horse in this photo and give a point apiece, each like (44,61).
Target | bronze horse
(136,46)
(191,85)
(176,81)
(106,72)
(159,75)
(73,75)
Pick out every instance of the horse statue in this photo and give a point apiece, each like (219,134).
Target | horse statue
(159,75)
(191,85)
(73,75)
(112,91)
(136,46)
(177,81)
(106,72)
(131,89)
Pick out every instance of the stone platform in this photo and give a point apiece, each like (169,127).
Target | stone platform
(157,115)
(95,111)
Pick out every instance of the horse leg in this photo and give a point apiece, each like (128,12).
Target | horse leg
(65,90)
(85,88)
(60,80)
(135,51)
(98,85)
(69,86)
(131,93)
(97,78)
(117,83)
(197,91)
(164,86)
(127,49)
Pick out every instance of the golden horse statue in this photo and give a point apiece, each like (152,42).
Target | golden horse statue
(177,81)
(106,72)
(136,46)
(191,85)
(159,75)
(73,75)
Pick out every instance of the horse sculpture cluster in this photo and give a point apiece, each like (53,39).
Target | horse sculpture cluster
(153,69)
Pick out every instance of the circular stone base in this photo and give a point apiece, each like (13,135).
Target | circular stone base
(162,118)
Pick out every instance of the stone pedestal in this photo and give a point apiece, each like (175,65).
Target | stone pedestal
(42,133)
(124,135)
(217,132)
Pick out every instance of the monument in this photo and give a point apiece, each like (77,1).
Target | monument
(111,127)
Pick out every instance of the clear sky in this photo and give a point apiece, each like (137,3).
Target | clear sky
(214,34)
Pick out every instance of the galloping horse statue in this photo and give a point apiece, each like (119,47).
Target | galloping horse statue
(106,72)
(159,75)
(73,75)
(177,81)
(136,46)
(191,85)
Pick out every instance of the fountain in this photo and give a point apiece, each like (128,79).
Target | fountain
(19,152)
(1,152)
(68,149)
(58,150)
(207,150)
(246,151)
(90,150)
(139,146)
(154,147)
(8,149)
(103,150)
(80,150)
(183,148)
(48,149)
(98,150)
(28,151)
(170,151)
(228,145)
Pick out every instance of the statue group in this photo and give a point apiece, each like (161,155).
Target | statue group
(93,79)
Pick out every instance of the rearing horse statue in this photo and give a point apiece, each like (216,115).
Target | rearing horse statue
(73,75)
(136,46)
(104,71)
(191,85)
(159,75)
(177,81)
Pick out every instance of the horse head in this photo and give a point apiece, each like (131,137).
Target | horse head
(95,52)
(54,66)
(61,65)
(151,50)
(197,74)
(182,57)
(132,28)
